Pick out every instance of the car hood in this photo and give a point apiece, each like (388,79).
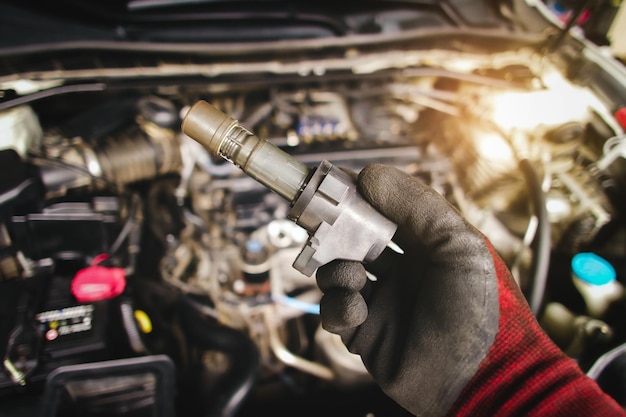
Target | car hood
(26,24)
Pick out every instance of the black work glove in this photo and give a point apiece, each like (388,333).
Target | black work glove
(423,328)
(445,329)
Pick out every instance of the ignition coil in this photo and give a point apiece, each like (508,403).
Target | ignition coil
(324,200)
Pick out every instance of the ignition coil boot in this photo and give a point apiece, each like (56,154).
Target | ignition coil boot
(324,200)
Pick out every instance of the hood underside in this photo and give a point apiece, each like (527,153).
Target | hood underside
(138,21)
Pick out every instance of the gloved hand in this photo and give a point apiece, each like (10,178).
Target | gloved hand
(444,330)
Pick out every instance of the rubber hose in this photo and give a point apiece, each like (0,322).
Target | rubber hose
(243,374)
(132,332)
(541,245)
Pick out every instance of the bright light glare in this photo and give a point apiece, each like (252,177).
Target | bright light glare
(558,208)
(493,148)
(560,103)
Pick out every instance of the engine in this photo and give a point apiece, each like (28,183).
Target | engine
(121,238)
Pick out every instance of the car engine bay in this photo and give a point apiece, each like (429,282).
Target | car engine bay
(100,185)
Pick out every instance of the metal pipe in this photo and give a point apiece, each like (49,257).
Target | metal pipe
(288,358)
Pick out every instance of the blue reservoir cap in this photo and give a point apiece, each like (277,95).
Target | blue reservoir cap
(592,268)
(254,245)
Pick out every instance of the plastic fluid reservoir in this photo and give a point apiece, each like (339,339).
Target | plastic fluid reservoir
(596,281)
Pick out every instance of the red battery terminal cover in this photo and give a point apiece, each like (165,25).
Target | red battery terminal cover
(96,282)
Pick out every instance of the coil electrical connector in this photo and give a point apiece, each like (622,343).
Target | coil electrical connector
(324,200)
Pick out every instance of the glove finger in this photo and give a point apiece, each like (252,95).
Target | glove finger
(423,216)
(348,275)
(341,309)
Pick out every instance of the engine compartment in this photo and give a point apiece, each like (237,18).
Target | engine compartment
(107,180)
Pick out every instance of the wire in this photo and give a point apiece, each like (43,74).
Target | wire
(541,243)
(54,91)
(605,360)
(573,20)
(74,167)
(613,149)
(128,227)
(311,308)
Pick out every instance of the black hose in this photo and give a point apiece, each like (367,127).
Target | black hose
(541,244)
(243,373)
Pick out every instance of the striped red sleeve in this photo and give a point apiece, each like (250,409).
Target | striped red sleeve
(525,373)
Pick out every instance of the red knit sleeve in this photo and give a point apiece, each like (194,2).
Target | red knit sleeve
(525,373)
